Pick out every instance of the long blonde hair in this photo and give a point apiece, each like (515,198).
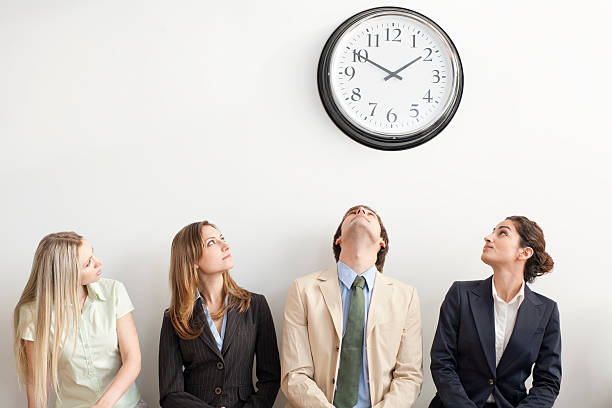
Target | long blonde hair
(52,288)
(187,247)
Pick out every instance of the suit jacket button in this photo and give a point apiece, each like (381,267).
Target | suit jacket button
(491,381)
(220,365)
(218,390)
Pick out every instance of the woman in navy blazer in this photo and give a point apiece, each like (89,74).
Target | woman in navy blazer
(480,355)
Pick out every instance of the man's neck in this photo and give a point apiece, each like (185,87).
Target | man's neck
(358,256)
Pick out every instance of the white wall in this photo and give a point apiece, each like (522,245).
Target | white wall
(126,120)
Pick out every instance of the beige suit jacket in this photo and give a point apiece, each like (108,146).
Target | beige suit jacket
(312,337)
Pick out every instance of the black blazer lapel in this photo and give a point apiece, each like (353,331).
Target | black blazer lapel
(481,304)
(527,321)
(231,325)
(206,336)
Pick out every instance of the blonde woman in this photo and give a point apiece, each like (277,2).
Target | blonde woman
(74,332)
(213,330)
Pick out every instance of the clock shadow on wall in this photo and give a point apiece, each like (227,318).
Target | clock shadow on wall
(390,78)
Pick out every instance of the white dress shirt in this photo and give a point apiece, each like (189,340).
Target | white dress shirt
(505,318)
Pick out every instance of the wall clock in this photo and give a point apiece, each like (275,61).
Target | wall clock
(390,78)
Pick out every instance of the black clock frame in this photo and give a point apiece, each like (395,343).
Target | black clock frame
(370,139)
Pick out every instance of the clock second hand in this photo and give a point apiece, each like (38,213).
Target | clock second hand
(394,73)
(391,74)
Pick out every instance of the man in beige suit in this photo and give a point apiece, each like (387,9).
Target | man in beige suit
(351,335)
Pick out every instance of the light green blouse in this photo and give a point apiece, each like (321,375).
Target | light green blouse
(85,372)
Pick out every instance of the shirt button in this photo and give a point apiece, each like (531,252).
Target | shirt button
(220,365)
(218,390)
(491,381)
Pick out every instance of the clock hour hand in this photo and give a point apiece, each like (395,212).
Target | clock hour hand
(391,74)
(394,73)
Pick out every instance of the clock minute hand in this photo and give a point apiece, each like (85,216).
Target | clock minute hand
(391,74)
(394,73)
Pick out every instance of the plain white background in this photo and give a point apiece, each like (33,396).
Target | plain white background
(126,120)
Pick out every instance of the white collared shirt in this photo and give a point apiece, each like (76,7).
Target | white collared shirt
(505,317)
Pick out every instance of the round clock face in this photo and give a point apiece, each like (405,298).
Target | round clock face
(390,78)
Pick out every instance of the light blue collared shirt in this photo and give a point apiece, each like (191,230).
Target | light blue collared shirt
(346,276)
(213,329)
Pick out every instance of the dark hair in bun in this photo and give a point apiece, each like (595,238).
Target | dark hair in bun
(532,236)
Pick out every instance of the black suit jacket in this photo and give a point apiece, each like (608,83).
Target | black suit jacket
(463,351)
(195,374)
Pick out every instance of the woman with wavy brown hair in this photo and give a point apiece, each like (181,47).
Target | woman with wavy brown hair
(213,330)
(491,333)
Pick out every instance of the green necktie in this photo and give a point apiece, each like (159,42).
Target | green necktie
(347,389)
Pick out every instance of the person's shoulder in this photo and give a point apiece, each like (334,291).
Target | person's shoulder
(258,303)
(27,307)
(108,283)
(107,288)
(27,321)
(543,299)
(317,276)
(467,285)
(257,298)
(167,326)
(381,277)
(26,311)
(310,280)
(403,295)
